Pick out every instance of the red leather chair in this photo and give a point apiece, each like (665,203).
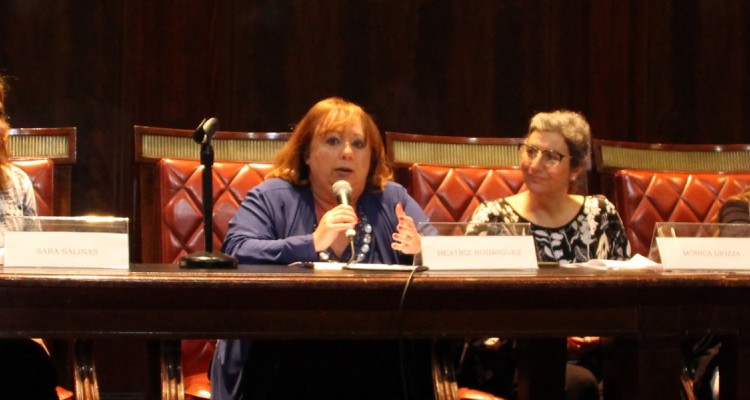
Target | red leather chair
(181,202)
(177,186)
(170,219)
(181,227)
(653,182)
(47,156)
(668,182)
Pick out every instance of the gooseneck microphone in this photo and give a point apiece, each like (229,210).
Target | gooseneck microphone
(208,258)
(343,192)
(205,131)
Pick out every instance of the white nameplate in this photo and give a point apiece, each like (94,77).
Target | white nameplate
(478,252)
(66,249)
(721,253)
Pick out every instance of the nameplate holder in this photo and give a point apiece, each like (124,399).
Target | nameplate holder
(703,246)
(67,242)
(462,246)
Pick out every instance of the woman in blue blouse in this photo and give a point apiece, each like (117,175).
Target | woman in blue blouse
(567,228)
(295,216)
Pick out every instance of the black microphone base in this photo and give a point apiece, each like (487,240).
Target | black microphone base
(206,260)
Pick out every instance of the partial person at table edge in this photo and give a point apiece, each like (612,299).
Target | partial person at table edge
(702,353)
(736,209)
(26,370)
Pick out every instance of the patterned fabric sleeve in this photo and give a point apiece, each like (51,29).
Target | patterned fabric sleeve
(18,200)
(613,240)
(26,193)
(493,211)
(596,232)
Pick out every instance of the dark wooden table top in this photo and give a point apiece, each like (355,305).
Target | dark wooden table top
(279,301)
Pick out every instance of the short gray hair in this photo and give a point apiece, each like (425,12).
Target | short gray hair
(572,126)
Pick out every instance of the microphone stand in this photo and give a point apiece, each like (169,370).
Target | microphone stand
(208,259)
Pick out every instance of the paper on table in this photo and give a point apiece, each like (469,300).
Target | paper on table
(387,267)
(365,267)
(636,262)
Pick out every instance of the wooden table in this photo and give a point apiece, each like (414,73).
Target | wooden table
(647,312)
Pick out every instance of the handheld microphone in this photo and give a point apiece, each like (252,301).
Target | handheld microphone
(205,131)
(343,192)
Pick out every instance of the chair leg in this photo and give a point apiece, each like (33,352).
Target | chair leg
(443,373)
(172,387)
(86,387)
(687,392)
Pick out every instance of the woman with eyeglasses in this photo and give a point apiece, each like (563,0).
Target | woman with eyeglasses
(567,228)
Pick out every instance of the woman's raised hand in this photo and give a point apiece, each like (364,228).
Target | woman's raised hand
(406,238)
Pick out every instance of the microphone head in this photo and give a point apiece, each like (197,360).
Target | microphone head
(205,131)
(210,127)
(342,186)
(198,134)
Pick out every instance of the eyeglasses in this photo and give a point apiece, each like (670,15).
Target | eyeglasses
(550,158)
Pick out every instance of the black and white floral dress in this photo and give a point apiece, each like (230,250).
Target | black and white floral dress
(596,232)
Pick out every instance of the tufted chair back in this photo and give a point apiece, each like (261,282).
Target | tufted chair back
(451,194)
(659,182)
(450,176)
(169,213)
(181,202)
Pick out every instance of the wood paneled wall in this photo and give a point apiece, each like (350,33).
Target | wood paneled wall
(661,71)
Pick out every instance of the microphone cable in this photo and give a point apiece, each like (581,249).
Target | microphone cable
(400,328)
